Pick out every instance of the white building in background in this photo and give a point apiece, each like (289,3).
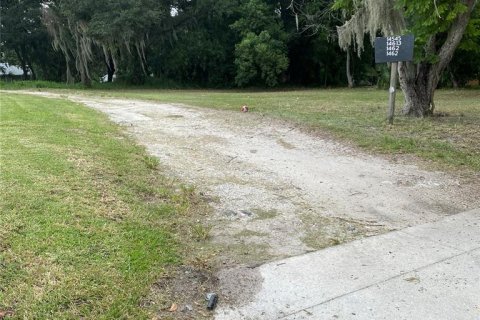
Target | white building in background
(7,69)
(104,78)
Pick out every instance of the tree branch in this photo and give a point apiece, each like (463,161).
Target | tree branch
(454,37)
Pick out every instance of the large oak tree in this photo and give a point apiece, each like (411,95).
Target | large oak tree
(437,25)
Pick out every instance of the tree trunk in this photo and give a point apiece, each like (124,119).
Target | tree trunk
(23,64)
(326,74)
(45,75)
(84,77)
(454,80)
(25,69)
(82,69)
(349,71)
(419,84)
(69,76)
(110,68)
(34,74)
(81,61)
(417,89)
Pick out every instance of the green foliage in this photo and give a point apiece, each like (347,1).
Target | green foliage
(257,16)
(24,40)
(113,21)
(116,30)
(198,57)
(425,20)
(211,43)
(131,72)
(345,5)
(259,57)
(466,61)
(199,49)
(471,39)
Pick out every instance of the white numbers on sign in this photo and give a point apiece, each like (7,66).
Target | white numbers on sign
(393,45)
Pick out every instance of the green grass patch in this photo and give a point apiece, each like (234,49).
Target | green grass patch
(37,84)
(87,221)
(95,85)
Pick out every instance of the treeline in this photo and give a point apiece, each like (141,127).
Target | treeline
(208,43)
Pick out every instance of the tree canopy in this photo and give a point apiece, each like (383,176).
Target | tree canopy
(227,43)
(438,29)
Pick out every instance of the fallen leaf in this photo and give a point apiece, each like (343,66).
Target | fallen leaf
(202,313)
(173,308)
(412,279)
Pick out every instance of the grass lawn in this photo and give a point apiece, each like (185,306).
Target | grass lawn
(87,221)
(450,141)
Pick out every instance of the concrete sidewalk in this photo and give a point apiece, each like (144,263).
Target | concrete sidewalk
(430,271)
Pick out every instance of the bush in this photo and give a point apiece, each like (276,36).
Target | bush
(260,59)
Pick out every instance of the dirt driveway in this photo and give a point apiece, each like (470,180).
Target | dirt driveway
(277,191)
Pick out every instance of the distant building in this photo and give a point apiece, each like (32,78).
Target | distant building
(7,69)
(104,78)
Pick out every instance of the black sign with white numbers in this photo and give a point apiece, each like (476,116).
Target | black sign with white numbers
(394,48)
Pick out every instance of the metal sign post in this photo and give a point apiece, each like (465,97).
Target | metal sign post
(391,90)
(393,49)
